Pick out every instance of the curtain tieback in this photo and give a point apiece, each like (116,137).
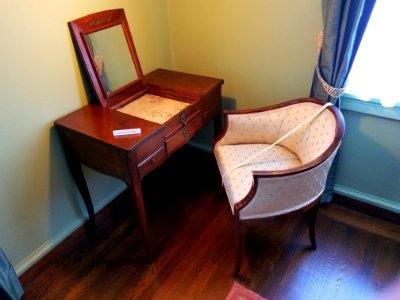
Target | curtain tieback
(330,90)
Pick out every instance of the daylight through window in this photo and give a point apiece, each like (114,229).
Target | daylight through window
(376,70)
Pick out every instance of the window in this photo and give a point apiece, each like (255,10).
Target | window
(376,70)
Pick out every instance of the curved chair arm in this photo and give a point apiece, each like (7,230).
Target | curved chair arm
(273,194)
(249,125)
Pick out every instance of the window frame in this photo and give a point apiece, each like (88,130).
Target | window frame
(370,107)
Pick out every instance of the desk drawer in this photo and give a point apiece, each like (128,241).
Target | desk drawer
(152,161)
(183,133)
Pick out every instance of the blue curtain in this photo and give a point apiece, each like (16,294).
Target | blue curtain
(10,287)
(344,24)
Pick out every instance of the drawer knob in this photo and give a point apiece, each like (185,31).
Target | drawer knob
(183,119)
(185,132)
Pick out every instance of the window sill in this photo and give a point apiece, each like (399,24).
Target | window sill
(349,102)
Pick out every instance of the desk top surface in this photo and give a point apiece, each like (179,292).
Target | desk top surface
(187,84)
(97,122)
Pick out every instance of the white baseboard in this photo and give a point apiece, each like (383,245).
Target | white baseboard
(370,199)
(64,233)
(47,247)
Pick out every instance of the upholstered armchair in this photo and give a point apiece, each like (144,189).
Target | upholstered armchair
(274,161)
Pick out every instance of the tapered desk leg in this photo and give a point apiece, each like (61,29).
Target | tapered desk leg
(217,123)
(135,194)
(80,181)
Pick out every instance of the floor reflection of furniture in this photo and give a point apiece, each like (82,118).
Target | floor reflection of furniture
(264,182)
(87,133)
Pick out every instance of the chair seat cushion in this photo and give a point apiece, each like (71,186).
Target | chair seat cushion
(238,181)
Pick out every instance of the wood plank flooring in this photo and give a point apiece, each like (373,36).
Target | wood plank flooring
(357,255)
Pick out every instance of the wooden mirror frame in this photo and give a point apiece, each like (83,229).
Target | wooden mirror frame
(95,22)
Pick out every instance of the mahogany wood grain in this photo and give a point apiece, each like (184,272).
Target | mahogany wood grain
(357,255)
(87,136)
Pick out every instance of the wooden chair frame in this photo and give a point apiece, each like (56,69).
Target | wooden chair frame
(312,208)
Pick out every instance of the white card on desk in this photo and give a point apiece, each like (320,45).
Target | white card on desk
(127,131)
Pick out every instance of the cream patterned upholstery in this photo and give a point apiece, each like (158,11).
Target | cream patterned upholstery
(239,181)
(298,190)
(267,174)
(249,133)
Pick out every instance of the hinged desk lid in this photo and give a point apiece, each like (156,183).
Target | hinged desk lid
(106,48)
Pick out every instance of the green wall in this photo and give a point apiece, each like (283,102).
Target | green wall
(264,50)
(369,158)
(40,81)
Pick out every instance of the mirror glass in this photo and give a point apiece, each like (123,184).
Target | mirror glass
(107,52)
(112,58)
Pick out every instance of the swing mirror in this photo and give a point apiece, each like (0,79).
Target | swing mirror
(105,46)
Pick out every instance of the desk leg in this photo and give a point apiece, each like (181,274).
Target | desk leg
(135,194)
(79,178)
(217,122)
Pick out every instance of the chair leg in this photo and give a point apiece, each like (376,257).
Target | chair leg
(312,218)
(240,236)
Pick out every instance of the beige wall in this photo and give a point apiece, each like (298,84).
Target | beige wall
(264,49)
(40,81)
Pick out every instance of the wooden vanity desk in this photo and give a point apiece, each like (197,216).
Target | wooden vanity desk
(87,136)
(168,107)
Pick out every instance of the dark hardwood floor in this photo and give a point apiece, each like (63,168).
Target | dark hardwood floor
(192,233)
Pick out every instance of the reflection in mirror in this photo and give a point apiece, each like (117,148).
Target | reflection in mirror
(112,57)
